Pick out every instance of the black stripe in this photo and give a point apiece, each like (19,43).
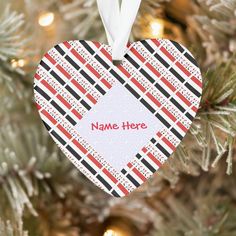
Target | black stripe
(132,91)
(47,126)
(163,121)
(138,156)
(88,167)
(86,76)
(73,152)
(163,91)
(72,92)
(58,108)
(85,104)
(189,116)
(58,137)
(133,180)
(177,45)
(151,109)
(153,140)
(190,58)
(176,133)
(192,89)
(44,65)
(117,76)
(147,75)
(108,186)
(40,91)
(132,61)
(146,45)
(148,165)
(70,120)
(57,77)
(163,62)
(167,154)
(177,75)
(99,88)
(87,47)
(123,171)
(75,65)
(102,62)
(59,49)
(177,105)
(115,194)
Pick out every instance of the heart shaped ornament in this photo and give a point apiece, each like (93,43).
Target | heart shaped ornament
(118,124)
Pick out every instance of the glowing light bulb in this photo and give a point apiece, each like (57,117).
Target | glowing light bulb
(110,232)
(46,19)
(157,28)
(17,63)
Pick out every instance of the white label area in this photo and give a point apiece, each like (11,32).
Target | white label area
(118,126)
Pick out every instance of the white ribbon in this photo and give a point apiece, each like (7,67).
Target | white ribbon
(118,21)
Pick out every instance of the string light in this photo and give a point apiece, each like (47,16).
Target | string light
(157,28)
(110,232)
(17,63)
(46,19)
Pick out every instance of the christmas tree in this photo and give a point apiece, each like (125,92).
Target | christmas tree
(43,194)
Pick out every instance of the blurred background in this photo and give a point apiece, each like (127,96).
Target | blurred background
(42,194)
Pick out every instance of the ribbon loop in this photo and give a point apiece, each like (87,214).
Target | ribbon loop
(118,21)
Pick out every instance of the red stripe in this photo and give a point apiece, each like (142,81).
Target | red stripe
(168,143)
(107,84)
(156,42)
(151,68)
(159,134)
(76,114)
(106,54)
(51,89)
(76,54)
(153,99)
(62,70)
(124,71)
(136,171)
(78,86)
(135,52)
(93,71)
(109,175)
(129,165)
(77,144)
(44,112)
(64,131)
(139,174)
(167,54)
(168,84)
(172,117)
(183,99)
(91,98)
(123,189)
(96,44)
(67,44)
(37,76)
(182,127)
(94,161)
(63,101)
(158,163)
(38,106)
(186,72)
(138,85)
(194,109)
(144,150)
(196,81)
(50,59)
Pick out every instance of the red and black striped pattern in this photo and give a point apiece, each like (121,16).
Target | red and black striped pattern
(74,75)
